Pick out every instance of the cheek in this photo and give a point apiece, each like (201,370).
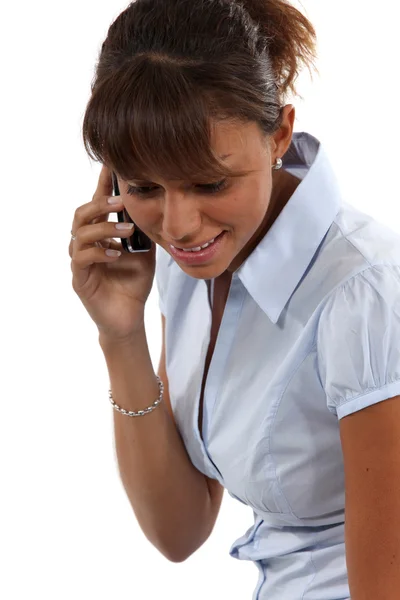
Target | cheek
(248,207)
(141,215)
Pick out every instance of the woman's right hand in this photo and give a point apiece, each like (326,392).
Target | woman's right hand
(114,290)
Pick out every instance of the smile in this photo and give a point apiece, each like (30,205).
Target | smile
(196,248)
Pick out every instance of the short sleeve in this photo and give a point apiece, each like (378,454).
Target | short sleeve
(161,276)
(358,341)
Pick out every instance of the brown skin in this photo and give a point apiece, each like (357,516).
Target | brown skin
(246,209)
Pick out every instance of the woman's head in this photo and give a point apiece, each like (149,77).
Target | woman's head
(182,83)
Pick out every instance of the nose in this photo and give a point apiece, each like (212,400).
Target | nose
(181,220)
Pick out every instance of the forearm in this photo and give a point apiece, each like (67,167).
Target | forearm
(169,496)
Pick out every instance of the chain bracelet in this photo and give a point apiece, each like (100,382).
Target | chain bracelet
(140,413)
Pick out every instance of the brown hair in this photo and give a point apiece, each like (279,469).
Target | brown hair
(169,68)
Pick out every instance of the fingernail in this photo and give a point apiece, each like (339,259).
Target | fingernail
(114,200)
(124,225)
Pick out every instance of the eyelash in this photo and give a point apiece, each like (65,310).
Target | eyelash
(209,188)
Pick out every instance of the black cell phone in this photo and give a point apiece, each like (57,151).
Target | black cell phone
(138,241)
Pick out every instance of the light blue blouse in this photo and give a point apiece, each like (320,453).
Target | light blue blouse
(310,334)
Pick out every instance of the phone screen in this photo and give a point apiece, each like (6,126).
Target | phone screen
(138,241)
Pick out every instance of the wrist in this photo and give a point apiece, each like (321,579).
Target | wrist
(108,341)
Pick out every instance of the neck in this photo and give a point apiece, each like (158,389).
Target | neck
(284,185)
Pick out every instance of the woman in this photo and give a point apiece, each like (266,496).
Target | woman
(280,339)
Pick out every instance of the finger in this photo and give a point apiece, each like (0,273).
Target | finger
(96,211)
(104,185)
(109,244)
(81,264)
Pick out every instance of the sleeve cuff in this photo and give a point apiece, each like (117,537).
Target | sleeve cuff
(367,399)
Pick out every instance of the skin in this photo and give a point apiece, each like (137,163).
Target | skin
(183,215)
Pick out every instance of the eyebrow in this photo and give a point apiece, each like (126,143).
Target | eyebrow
(147,181)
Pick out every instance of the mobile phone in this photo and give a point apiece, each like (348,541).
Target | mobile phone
(138,241)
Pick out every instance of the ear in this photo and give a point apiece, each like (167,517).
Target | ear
(282,139)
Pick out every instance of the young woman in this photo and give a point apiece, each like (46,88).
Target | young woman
(280,362)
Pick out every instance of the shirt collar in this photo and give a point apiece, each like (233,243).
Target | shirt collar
(275,267)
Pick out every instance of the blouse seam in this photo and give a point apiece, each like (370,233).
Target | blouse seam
(315,573)
(343,401)
(272,424)
(361,274)
(383,264)
(351,243)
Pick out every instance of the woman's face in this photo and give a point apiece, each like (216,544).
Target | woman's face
(187,215)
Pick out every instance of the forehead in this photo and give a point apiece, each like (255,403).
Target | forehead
(241,143)
(236,138)
(150,178)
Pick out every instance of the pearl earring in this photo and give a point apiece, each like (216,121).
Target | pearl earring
(278,164)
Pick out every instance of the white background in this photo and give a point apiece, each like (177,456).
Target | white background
(66,527)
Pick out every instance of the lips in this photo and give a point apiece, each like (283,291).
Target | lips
(200,245)
(199,256)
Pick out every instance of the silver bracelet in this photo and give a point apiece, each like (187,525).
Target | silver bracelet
(131,413)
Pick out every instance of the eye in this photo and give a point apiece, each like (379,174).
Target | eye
(138,191)
(213,188)
(208,188)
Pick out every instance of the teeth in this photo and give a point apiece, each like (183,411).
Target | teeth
(198,247)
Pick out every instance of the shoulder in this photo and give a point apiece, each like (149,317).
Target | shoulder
(358,340)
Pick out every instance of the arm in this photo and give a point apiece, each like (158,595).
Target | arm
(170,498)
(371,451)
